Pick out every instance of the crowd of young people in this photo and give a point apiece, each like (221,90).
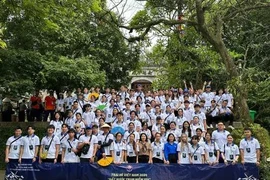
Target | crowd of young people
(164,126)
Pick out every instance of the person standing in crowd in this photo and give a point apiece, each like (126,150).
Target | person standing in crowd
(197,154)
(22,110)
(145,151)
(36,107)
(201,139)
(70,121)
(105,141)
(157,148)
(170,150)
(69,148)
(139,91)
(132,149)
(147,116)
(250,148)
(118,147)
(57,123)
(63,136)
(60,105)
(230,151)
(78,129)
(49,105)
(200,115)
(131,130)
(75,109)
(89,116)
(211,148)
(220,135)
(29,147)
(81,102)
(208,96)
(186,130)
(229,97)
(183,150)
(88,146)
(13,144)
(180,119)
(219,97)
(69,100)
(79,120)
(174,130)
(120,121)
(225,114)
(146,131)
(212,114)
(50,145)
(195,125)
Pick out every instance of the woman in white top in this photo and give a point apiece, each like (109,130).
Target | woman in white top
(131,150)
(69,148)
(118,148)
(211,150)
(163,134)
(186,130)
(183,150)
(146,130)
(230,151)
(57,122)
(157,148)
(13,146)
(195,125)
(196,151)
(80,121)
(60,104)
(180,119)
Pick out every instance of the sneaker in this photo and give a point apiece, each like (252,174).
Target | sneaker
(231,127)
(211,126)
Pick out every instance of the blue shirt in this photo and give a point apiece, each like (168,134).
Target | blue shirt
(169,149)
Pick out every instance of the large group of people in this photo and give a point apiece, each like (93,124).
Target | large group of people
(132,126)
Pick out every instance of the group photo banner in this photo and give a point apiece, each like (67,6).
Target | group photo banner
(86,171)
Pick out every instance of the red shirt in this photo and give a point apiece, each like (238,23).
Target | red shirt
(50,103)
(36,101)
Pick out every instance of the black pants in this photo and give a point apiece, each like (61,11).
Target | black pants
(47,113)
(131,159)
(59,158)
(48,160)
(227,117)
(210,119)
(84,160)
(156,160)
(21,116)
(172,158)
(143,159)
(35,113)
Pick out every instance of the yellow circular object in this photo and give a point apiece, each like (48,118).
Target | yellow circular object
(44,155)
(105,161)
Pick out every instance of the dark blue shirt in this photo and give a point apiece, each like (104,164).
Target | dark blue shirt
(169,149)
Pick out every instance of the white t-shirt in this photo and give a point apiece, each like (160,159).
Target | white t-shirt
(231,151)
(14,148)
(60,105)
(168,117)
(158,149)
(121,124)
(250,147)
(62,137)
(179,121)
(201,116)
(130,150)
(220,137)
(208,97)
(93,142)
(209,150)
(127,134)
(118,149)
(105,139)
(70,122)
(229,97)
(52,149)
(70,156)
(188,114)
(184,153)
(29,144)
(193,128)
(58,126)
(89,118)
(196,153)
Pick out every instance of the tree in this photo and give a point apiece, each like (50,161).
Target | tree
(208,18)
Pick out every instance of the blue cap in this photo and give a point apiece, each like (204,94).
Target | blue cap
(88,127)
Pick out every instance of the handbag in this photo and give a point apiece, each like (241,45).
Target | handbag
(44,153)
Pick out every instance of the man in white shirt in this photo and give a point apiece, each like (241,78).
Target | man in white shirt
(229,97)
(119,122)
(76,109)
(139,91)
(50,145)
(250,148)
(70,148)
(123,93)
(220,136)
(89,116)
(13,146)
(70,120)
(69,100)
(88,146)
(147,116)
(225,114)
(201,115)
(63,136)
(131,130)
(188,111)
(29,147)
(208,96)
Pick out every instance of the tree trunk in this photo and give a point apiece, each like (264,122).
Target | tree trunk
(240,98)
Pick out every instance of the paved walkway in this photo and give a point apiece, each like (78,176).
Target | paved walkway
(2,173)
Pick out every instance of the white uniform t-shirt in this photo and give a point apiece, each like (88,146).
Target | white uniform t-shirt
(196,152)
(184,153)
(209,150)
(70,156)
(105,139)
(14,148)
(158,149)
(45,142)
(29,144)
(58,126)
(250,147)
(118,149)
(93,142)
(220,137)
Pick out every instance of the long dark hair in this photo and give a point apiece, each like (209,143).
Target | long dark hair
(133,143)
(189,129)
